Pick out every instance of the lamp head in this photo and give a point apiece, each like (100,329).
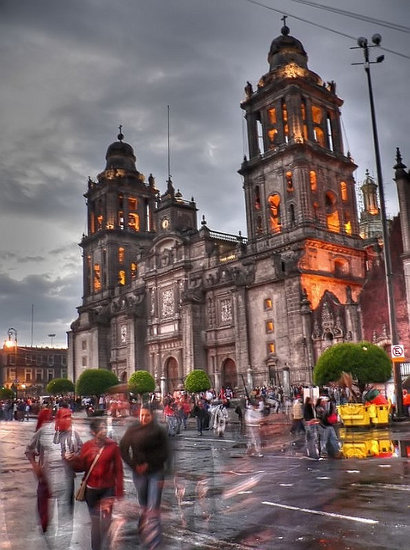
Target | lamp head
(376,39)
(362,41)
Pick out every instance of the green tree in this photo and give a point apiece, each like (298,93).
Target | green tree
(59,386)
(196,381)
(141,382)
(366,363)
(95,382)
(6,393)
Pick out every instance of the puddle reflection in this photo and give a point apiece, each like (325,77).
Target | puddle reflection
(372,444)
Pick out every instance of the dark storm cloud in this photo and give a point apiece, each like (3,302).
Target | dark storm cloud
(73,71)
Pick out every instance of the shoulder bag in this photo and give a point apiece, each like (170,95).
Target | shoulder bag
(80,494)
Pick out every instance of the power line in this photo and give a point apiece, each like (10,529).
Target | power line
(387,24)
(324,27)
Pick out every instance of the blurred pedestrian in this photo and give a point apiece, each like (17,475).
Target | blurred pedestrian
(297,417)
(253,418)
(55,481)
(145,449)
(105,482)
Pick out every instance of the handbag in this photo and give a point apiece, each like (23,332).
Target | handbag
(80,494)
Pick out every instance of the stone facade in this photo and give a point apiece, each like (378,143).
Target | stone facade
(162,295)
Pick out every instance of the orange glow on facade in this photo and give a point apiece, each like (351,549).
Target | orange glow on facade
(316,286)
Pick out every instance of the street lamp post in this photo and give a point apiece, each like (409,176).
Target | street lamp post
(364,45)
(11,345)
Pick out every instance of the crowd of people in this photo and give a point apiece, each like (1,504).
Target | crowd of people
(57,452)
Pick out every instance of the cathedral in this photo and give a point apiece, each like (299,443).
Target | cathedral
(164,295)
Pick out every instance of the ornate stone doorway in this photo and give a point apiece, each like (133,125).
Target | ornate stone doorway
(229,374)
(171,373)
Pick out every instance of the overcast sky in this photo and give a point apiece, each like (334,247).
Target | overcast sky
(71,72)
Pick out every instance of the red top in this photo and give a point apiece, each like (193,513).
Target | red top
(108,470)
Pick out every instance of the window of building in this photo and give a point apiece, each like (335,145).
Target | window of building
(39,375)
(121,255)
(347,223)
(39,359)
(12,375)
(132,203)
(329,131)
(274,208)
(63,373)
(285,122)
(134,221)
(343,191)
(84,361)
(271,347)
(50,375)
(134,270)
(313,181)
(99,222)
(257,198)
(27,375)
(267,303)
(269,326)
(97,278)
(83,345)
(50,360)
(121,219)
(317,117)
(289,182)
(121,277)
(332,215)
(63,360)
(11,359)
(304,122)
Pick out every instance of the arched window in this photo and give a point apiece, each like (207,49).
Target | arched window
(343,191)
(313,180)
(121,255)
(289,182)
(285,121)
(121,277)
(134,221)
(332,215)
(274,208)
(97,278)
(257,198)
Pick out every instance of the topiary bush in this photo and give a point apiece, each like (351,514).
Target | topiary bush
(197,381)
(366,362)
(140,382)
(59,386)
(95,382)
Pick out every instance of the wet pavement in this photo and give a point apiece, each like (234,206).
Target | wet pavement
(218,497)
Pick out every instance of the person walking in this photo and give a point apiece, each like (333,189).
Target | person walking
(145,449)
(55,480)
(253,418)
(297,415)
(105,482)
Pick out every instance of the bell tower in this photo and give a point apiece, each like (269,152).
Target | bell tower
(120,206)
(299,186)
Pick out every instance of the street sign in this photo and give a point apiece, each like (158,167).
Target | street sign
(397,352)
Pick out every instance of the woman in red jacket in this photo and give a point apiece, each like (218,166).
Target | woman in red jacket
(105,482)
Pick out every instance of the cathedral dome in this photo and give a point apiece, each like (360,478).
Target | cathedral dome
(120,155)
(286,49)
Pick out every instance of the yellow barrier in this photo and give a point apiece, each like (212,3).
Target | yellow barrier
(358,414)
(354,414)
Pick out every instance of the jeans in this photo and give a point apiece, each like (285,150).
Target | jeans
(149,492)
(100,522)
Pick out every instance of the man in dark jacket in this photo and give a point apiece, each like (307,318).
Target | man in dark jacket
(145,449)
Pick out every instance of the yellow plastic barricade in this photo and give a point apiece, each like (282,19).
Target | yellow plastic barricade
(354,414)
(382,415)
